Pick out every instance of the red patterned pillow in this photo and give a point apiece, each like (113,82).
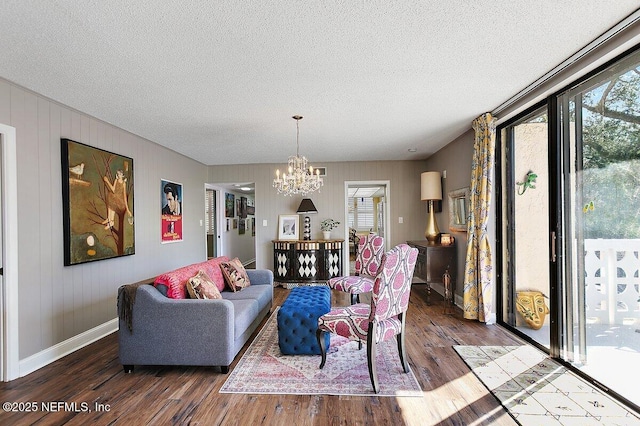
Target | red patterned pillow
(215,273)
(200,286)
(235,275)
(175,281)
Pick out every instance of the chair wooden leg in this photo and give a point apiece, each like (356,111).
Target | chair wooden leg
(371,358)
(355,298)
(401,347)
(401,351)
(323,348)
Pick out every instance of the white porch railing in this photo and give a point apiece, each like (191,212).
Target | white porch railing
(612,279)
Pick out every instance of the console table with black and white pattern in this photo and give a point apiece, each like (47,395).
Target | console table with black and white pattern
(305,261)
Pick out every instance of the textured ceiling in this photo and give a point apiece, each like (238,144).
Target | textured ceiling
(218,81)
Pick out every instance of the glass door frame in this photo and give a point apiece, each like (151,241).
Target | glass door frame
(506,243)
(559,162)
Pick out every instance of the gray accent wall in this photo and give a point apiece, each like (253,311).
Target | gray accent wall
(404,178)
(455,158)
(56,302)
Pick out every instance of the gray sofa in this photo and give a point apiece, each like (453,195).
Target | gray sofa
(199,332)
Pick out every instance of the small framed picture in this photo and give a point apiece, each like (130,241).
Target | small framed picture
(446,239)
(288,227)
(229,204)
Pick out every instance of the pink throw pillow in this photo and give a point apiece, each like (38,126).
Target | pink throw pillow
(176,280)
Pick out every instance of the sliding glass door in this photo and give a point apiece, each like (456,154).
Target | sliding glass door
(600,140)
(525,210)
(569,226)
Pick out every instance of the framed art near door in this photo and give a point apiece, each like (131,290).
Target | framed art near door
(171,216)
(97,203)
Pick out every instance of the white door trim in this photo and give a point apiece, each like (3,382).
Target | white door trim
(10,368)
(220,218)
(387,211)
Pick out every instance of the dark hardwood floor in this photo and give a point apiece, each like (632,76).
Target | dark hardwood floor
(93,379)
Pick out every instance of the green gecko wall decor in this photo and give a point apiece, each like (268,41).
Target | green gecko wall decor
(529,181)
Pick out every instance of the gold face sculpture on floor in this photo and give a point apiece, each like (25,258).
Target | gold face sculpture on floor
(531,305)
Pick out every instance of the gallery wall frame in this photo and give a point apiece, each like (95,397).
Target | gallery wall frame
(97,203)
(229,204)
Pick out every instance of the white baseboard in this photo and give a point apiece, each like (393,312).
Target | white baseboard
(54,353)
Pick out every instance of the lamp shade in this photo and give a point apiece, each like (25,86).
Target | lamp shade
(430,186)
(307,206)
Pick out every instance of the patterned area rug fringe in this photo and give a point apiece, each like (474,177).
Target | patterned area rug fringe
(264,370)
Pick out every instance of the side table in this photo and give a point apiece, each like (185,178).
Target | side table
(434,259)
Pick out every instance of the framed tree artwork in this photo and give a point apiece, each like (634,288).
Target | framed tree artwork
(97,203)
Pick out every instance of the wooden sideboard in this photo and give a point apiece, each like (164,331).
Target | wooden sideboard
(307,260)
(433,260)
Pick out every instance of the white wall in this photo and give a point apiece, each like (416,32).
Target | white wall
(57,303)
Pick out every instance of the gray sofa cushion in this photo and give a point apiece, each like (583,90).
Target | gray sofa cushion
(262,295)
(245,312)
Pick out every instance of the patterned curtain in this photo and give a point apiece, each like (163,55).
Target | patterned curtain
(478,268)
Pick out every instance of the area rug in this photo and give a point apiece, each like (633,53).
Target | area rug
(263,369)
(536,390)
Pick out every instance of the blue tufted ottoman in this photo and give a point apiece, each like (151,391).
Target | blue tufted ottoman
(298,320)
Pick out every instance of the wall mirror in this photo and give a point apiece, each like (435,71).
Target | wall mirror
(458,209)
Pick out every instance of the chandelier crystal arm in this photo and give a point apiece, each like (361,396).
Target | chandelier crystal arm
(301,178)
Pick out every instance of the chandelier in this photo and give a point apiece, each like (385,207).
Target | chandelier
(299,178)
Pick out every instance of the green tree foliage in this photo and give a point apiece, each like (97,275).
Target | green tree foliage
(611,158)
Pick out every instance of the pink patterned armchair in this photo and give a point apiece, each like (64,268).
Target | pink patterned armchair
(368,260)
(384,318)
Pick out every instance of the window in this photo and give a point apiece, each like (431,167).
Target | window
(361,214)
(209,208)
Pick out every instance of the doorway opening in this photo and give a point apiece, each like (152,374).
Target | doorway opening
(232,214)
(9,342)
(211,229)
(367,212)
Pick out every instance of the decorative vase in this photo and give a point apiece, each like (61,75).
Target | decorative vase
(326,235)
